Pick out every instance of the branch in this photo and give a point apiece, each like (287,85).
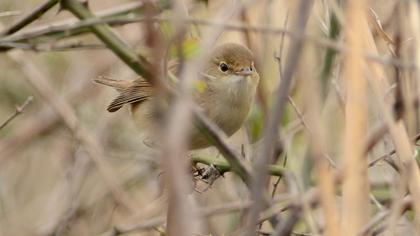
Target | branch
(415,139)
(67,114)
(48,29)
(49,47)
(105,34)
(218,139)
(223,166)
(9,13)
(65,27)
(30,17)
(159,220)
(406,204)
(271,130)
(18,111)
(45,120)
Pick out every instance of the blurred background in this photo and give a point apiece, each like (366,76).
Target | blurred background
(49,184)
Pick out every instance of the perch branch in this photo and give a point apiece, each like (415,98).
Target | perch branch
(223,166)
(218,138)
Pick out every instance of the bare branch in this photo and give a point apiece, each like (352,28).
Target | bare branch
(18,111)
(159,220)
(70,28)
(30,17)
(67,24)
(49,47)
(382,215)
(271,130)
(37,79)
(9,13)
(223,166)
(219,139)
(104,32)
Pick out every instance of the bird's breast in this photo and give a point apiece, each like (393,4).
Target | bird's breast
(229,102)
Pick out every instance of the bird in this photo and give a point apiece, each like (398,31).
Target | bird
(230,81)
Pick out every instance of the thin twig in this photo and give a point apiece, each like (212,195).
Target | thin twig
(9,13)
(67,24)
(276,184)
(49,47)
(18,111)
(223,166)
(38,80)
(44,120)
(159,220)
(271,130)
(225,208)
(30,17)
(104,32)
(279,57)
(415,139)
(381,216)
(375,136)
(299,114)
(219,139)
(70,29)
(115,21)
(396,128)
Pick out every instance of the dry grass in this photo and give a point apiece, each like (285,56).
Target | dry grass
(330,151)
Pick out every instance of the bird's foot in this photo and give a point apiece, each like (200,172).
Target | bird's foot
(208,175)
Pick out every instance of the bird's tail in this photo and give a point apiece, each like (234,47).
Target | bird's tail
(119,85)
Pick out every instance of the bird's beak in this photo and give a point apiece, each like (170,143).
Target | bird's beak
(244,71)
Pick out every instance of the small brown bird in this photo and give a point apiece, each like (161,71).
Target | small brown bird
(230,82)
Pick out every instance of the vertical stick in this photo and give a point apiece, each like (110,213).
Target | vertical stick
(317,134)
(271,130)
(355,186)
(182,217)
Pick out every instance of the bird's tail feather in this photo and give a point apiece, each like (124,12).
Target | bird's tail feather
(119,85)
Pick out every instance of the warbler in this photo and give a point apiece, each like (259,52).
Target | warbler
(230,81)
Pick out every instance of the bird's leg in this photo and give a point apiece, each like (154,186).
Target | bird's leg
(207,174)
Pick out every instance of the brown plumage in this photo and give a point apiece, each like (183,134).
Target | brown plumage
(230,83)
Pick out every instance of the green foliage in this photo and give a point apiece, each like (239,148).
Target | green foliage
(329,55)
(255,124)
(189,47)
(206,2)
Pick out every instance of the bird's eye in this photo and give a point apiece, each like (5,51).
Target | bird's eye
(223,67)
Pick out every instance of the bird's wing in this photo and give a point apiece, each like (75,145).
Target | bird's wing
(132,91)
(139,90)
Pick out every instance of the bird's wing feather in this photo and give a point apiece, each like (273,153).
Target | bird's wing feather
(139,91)
(133,91)
(118,85)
